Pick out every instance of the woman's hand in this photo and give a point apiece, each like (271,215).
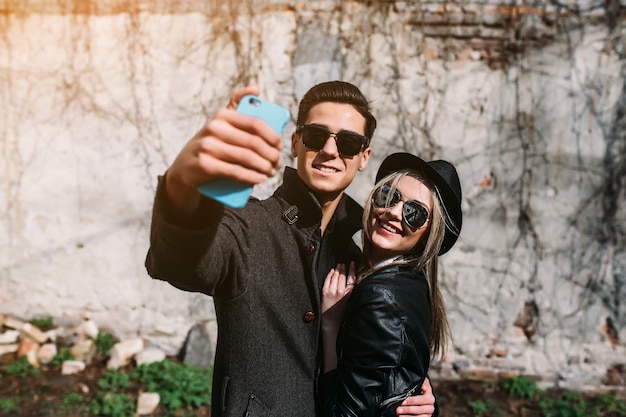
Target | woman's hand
(335,292)
(337,285)
(422,405)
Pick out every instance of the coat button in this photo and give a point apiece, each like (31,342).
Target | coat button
(309,316)
(309,248)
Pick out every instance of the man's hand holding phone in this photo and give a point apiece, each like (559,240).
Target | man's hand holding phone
(230,146)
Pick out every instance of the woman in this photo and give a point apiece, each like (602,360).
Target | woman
(395,319)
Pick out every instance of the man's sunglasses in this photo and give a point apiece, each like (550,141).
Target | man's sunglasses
(348,143)
(414,214)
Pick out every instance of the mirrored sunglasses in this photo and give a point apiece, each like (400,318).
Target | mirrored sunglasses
(348,143)
(414,214)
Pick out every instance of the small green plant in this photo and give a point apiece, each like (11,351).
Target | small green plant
(73,399)
(485,409)
(114,380)
(522,386)
(611,404)
(178,385)
(112,404)
(479,408)
(21,368)
(63,355)
(104,342)
(43,322)
(9,404)
(571,404)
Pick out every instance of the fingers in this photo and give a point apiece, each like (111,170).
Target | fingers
(241,147)
(351,277)
(419,405)
(421,411)
(427,389)
(235,98)
(330,292)
(336,288)
(230,145)
(327,281)
(334,280)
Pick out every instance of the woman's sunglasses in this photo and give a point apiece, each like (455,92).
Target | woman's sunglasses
(348,143)
(414,214)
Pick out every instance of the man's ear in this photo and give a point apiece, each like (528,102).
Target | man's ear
(365,157)
(294,150)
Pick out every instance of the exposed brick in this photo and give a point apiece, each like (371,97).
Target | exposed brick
(478,373)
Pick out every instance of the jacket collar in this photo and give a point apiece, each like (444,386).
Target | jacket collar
(304,209)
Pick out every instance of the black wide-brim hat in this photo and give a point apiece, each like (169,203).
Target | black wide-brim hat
(444,177)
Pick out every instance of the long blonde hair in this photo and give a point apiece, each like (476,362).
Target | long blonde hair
(423,257)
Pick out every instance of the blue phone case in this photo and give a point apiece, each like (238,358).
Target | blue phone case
(236,194)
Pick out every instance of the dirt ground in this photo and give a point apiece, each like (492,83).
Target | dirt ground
(45,395)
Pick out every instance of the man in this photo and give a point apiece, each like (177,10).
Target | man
(264,264)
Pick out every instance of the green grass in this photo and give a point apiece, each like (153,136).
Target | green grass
(9,404)
(114,380)
(566,404)
(43,322)
(522,387)
(104,342)
(112,404)
(179,385)
(21,368)
(63,355)
(572,404)
(73,400)
(487,408)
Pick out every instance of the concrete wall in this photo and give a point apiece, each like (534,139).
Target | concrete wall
(97,99)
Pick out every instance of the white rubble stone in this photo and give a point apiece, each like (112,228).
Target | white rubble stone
(83,350)
(64,336)
(28,347)
(13,323)
(149,356)
(34,333)
(12,348)
(147,402)
(52,335)
(72,367)
(122,352)
(88,328)
(46,353)
(8,337)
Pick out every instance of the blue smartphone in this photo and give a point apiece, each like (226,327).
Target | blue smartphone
(233,193)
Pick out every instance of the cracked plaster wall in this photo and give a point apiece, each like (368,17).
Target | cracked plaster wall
(529,102)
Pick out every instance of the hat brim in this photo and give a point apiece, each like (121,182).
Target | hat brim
(449,187)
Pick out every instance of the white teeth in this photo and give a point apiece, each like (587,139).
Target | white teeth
(390,228)
(325,169)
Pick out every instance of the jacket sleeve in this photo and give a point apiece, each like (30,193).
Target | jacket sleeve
(193,254)
(382,349)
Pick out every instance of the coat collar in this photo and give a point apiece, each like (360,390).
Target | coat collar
(304,209)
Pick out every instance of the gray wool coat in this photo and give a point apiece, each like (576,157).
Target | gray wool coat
(259,264)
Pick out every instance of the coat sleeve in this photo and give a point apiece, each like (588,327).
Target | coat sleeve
(194,254)
(382,349)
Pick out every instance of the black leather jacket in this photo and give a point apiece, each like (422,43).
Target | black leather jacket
(382,346)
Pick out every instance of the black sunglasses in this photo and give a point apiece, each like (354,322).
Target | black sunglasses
(348,143)
(414,214)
